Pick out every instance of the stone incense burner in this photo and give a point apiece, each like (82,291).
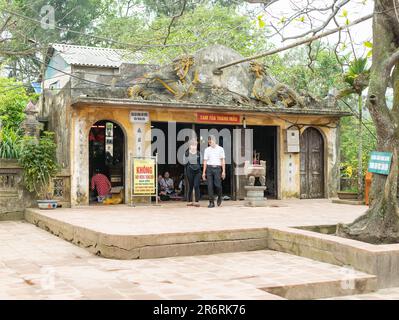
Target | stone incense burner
(255,194)
(253,171)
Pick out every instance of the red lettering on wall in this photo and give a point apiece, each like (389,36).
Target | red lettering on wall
(216,117)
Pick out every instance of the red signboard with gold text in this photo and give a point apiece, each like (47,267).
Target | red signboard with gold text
(218,117)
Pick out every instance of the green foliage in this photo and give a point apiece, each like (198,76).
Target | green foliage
(38,158)
(29,37)
(293,69)
(123,29)
(173,7)
(13,100)
(203,26)
(357,70)
(10,143)
(352,189)
(349,142)
(72,14)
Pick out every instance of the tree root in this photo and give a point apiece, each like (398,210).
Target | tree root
(371,228)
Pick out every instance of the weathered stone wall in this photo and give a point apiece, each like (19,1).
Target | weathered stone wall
(13,196)
(106,82)
(56,109)
(334,159)
(289,163)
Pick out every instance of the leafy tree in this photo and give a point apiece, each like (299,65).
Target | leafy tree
(293,69)
(26,37)
(173,7)
(13,100)
(205,25)
(357,78)
(349,152)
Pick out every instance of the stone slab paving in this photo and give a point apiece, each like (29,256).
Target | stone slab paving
(37,265)
(175,217)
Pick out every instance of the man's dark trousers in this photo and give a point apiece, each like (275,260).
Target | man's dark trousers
(214,178)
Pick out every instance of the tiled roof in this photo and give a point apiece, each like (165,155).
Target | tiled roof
(95,57)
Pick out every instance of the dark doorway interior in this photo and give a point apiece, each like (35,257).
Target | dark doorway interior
(265,143)
(106,153)
(176,170)
(168,160)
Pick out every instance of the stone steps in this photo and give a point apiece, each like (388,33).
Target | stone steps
(311,289)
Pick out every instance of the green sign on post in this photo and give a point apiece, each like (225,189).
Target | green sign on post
(380,162)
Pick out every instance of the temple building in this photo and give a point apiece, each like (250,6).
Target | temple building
(105,109)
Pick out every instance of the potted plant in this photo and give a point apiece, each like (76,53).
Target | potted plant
(38,159)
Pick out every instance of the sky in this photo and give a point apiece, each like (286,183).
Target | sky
(285,8)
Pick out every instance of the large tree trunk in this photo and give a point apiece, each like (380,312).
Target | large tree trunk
(380,224)
(360,149)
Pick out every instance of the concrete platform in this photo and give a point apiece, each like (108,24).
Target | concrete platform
(379,260)
(123,232)
(35,264)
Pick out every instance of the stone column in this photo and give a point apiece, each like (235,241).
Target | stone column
(31,125)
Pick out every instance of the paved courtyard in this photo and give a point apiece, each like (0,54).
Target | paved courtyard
(35,264)
(176,217)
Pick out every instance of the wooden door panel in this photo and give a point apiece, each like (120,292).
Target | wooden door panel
(312,164)
(303,166)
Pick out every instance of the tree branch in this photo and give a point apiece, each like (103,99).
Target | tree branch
(325,23)
(390,63)
(173,20)
(266,3)
(294,44)
(3,27)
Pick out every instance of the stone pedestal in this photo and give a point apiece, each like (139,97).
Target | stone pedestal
(31,125)
(255,196)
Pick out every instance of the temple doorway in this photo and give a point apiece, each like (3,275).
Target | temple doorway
(107,157)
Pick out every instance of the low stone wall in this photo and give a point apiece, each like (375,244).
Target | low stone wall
(13,196)
(379,260)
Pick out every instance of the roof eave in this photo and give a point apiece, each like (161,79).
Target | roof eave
(115,102)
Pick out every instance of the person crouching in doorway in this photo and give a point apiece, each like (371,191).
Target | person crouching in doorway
(101,184)
(192,168)
(214,170)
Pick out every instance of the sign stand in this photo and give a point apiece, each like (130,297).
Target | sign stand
(153,160)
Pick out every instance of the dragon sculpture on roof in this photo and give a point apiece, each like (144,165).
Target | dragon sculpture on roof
(176,79)
(273,93)
(190,78)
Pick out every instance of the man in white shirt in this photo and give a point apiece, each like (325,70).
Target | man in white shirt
(214,170)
